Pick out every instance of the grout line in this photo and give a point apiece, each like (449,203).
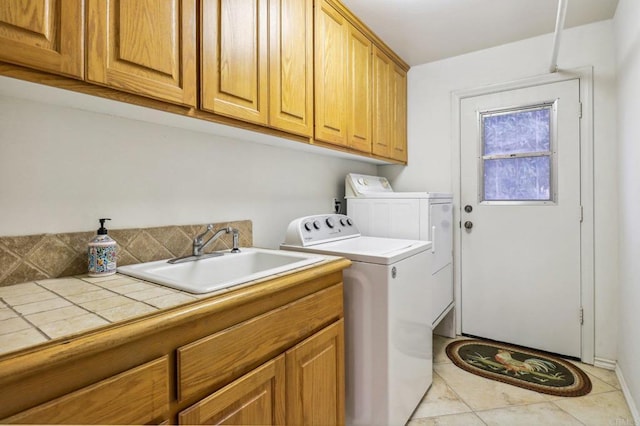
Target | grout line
(25,319)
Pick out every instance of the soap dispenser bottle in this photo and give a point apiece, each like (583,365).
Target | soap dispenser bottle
(102,253)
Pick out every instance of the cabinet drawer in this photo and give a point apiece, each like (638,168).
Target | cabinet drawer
(136,396)
(211,362)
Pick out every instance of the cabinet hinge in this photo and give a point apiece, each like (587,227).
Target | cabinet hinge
(579,109)
(581,214)
(581,315)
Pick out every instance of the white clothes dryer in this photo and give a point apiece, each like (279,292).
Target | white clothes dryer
(388,336)
(382,212)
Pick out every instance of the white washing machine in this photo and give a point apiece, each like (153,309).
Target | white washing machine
(381,212)
(388,341)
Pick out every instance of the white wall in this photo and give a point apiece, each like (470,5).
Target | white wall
(62,168)
(430,136)
(627,32)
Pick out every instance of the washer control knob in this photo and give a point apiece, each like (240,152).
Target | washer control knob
(330,222)
(316,224)
(308,226)
(349,222)
(343,222)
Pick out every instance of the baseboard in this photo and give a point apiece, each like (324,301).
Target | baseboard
(627,396)
(607,364)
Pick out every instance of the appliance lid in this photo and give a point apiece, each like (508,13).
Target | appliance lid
(381,251)
(338,235)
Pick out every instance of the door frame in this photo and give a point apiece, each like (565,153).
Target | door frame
(587,278)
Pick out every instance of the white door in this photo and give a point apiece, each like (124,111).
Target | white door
(521,217)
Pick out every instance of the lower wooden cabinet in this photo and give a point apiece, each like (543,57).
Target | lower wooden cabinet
(305,385)
(256,398)
(315,379)
(136,396)
(269,353)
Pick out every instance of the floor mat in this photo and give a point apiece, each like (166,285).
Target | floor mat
(522,367)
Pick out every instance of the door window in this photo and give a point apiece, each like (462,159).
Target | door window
(518,150)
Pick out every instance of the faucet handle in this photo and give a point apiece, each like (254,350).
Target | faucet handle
(198,238)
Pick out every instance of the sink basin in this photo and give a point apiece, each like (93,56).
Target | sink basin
(215,273)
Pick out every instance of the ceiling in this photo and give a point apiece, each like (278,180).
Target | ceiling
(423,31)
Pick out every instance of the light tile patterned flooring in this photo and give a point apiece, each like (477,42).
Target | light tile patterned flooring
(457,397)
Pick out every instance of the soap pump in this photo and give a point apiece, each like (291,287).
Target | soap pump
(102,253)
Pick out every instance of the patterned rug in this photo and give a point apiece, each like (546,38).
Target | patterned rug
(525,368)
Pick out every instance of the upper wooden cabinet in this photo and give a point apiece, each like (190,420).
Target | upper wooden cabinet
(256,62)
(146,47)
(371,117)
(389,108)
(331,31)
(291,65)
(399,129)
(308,68)
(43,34)
(359,91)
(382,103)
(343,80)
(234,61)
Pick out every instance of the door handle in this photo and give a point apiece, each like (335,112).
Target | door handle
(468,224)
(468,208)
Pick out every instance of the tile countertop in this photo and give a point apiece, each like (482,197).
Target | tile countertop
(36,312)
(39,311)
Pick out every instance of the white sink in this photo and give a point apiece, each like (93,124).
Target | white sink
(215,273)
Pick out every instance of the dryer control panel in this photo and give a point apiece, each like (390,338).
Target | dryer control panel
(319,229)
(357,185)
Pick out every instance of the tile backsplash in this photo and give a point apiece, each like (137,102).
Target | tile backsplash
(36,257)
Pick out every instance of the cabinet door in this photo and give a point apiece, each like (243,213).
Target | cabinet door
(43,34)
(146,47)
(359,93)
(399,102)
(331,30)
(256,398)
(234,59)
(382,111)
(136,396)
(315,379)
(291,65)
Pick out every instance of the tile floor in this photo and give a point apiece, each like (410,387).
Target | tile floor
(457,397)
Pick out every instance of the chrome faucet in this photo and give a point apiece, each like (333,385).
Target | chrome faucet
(199,244)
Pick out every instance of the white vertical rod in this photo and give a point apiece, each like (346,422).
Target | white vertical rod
(562,13)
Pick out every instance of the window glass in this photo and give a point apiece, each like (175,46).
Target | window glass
(514,132)
(517,179)
(517,158)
